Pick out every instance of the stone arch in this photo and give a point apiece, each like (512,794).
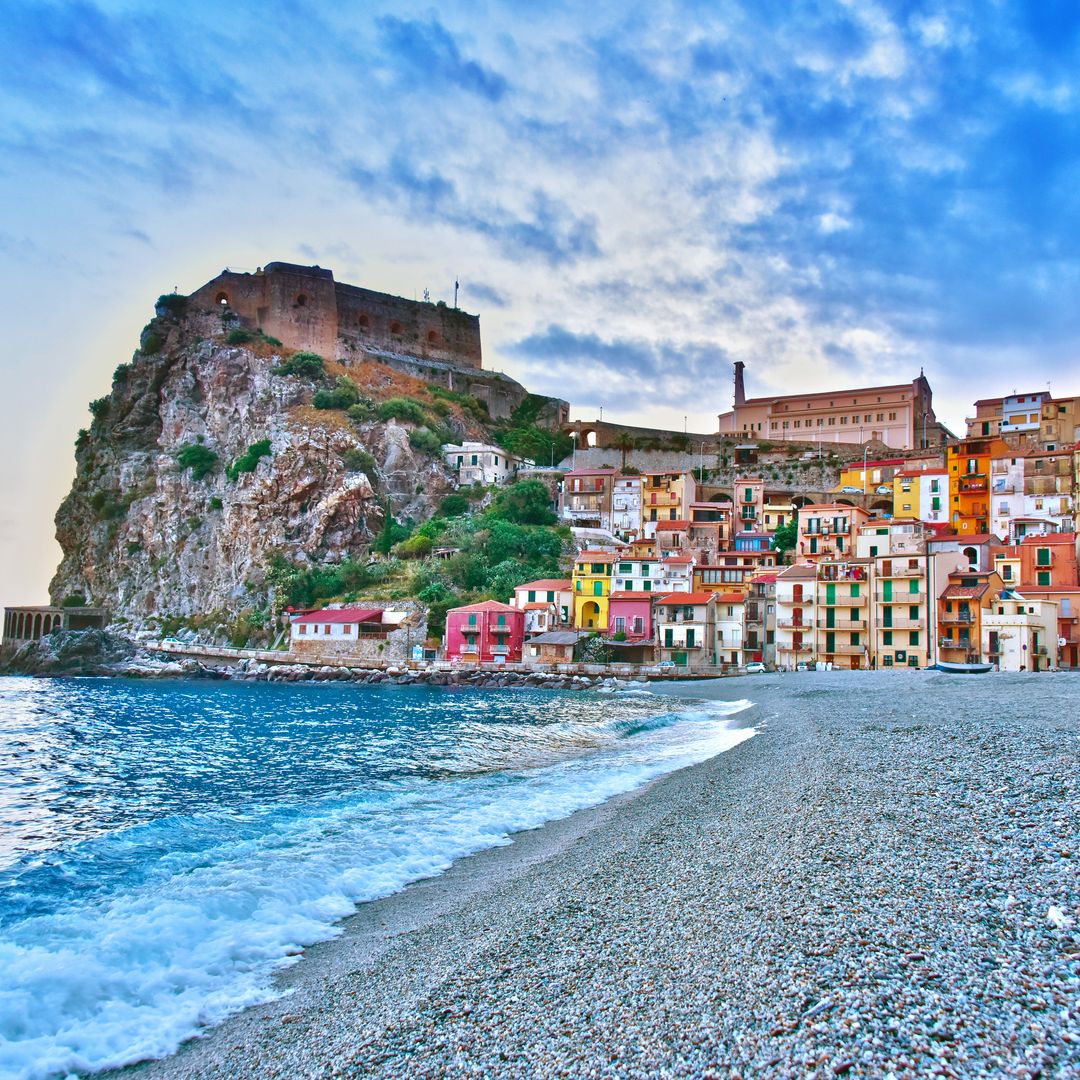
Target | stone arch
(972,556)
(395,327)
(363,321)
(883,505)
(35,632)
(590,614)
(301,300)
(844,502)
(222,298)
(432,336)
(799,501)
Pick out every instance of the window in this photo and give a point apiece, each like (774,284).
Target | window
(598,588)
(1044,577)
(913,612)
(472,620)
(346,629)
(551,597)
(913,639)
(1042,557)
(501,620)
(843,419)
(303,628)
(832,421)
(532,596)
(326,630)
(639,624)
(892,416)
(886,637)
(626,568)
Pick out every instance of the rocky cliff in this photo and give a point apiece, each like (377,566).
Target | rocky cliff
(206,460)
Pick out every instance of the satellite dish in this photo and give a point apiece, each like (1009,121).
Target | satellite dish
(1062,642)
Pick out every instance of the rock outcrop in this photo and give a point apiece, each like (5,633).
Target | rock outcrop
(159,521)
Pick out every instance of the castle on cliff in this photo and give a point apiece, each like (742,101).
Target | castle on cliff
(306,309)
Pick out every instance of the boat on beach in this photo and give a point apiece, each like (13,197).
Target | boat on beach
(961,669)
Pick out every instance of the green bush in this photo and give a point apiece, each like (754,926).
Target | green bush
(151,343)
(362,412)
(249,460)
(75,599)
(453,506)
(426,441)
(271,340)
(342,396)
(306,365)
(173,303)
(400,408)
(216,503)
(416,547)
(198,458)
(239,337)
(527,502)
(99,408)
(359,460)
(392,533)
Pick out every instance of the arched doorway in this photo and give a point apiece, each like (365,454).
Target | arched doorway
(590,615)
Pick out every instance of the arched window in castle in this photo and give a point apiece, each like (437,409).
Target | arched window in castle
(222,298)
(301,300)
(363,322)
(395,328)
(432,337)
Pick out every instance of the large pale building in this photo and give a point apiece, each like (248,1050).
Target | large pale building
(900,415)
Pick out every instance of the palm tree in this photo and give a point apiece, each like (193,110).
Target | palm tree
(624,443)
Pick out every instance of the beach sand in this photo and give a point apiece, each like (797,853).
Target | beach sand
(866,887)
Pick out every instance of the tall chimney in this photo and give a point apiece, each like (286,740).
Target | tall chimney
(740,391)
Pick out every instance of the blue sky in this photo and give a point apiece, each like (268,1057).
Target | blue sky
(632,196)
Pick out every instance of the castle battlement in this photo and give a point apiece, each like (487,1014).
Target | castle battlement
(305,308)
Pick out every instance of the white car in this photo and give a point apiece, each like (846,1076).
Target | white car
(884,490)
(755,667)
(851,490)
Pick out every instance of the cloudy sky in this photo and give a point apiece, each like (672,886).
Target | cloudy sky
(632,196)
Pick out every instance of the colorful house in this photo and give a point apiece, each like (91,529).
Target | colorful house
(968,463)
(796,613)
(634,574)
(488,632)
(587,498)
(960,608)
(665,496)
(730,629)
(630,615)
(828,531)
(843,637)
(626,507)
(1021,634)
(686,629)
(592,587)
(548,604)
(922,494)
(749,504)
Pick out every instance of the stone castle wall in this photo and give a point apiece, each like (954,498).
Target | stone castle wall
(305,308)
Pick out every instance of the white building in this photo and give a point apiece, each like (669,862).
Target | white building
(480,463)
(795,614)
(922,494)
(1020,634)
(548,604)
(729,628)
(639,575)
(626,507)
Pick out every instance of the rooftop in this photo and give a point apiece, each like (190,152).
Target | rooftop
(342,615)
(688,599)
(550,583)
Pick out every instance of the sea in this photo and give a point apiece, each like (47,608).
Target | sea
(166,847)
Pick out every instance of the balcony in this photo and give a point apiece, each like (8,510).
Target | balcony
(963,618)
(969,484)
(782,646)
(948,645)
(845,601)
(791,624)
(903,572)
(848,624)
(579,513)
(903,624)
(903,598)
(500,650)
(845,650)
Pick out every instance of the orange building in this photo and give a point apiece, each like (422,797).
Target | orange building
(960,609)
(968,464)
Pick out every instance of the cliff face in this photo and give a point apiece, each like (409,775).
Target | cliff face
(144,534)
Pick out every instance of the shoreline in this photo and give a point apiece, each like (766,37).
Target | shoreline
(821,897)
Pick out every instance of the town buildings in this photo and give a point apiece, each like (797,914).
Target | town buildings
(480,463)
(900,415)
(548,604)
(686,629)
(488,632)
(592,586)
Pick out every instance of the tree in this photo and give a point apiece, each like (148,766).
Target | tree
(624,443)
(785,537)
(525,503)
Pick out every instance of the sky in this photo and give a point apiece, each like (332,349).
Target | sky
(633,196)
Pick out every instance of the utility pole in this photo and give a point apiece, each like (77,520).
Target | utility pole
(455,293)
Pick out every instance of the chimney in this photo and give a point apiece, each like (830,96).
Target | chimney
(740,392)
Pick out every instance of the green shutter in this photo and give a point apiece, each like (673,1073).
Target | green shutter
(532,596)
(886,591)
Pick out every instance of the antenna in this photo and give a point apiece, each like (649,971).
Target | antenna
(455,291)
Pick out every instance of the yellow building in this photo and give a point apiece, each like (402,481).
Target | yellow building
(665,496)
(854,478)
(592,587)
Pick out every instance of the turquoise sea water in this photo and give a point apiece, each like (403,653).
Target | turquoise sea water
(165,847)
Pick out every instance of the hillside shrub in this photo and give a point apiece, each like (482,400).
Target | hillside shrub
(402,408)
(453,505)
(249,460)
(216,503)
(151,343)
(75,599)
(239,337)
(358,459)
(426,441)
(527,502)
(199,459)
(305,365)
(343,395)
(99,408)
(173,303)
(363,411)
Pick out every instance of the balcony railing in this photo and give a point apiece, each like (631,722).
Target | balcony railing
(962,617)
(849,624)
(844,601)
(845,650)
(784,647)
(791,624)
(903,624)
(969,485)
(902,572)
(902,598)
(500,650)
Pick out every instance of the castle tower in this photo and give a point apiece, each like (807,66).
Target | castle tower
(740,390)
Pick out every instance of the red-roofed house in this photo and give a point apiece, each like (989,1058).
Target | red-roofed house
(387,632)
(548,604)
(488,632)
(686,629)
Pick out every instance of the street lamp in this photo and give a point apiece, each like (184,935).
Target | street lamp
(866,450)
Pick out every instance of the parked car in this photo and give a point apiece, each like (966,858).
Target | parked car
(849,490)
(666,665)
(755,667)
(884,490)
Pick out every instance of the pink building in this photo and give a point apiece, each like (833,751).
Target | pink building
(630,613)
(488,632)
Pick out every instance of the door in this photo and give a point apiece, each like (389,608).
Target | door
(690,638)
(886,591)
(830,617)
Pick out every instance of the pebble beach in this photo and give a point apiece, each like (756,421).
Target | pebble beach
(882,882)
